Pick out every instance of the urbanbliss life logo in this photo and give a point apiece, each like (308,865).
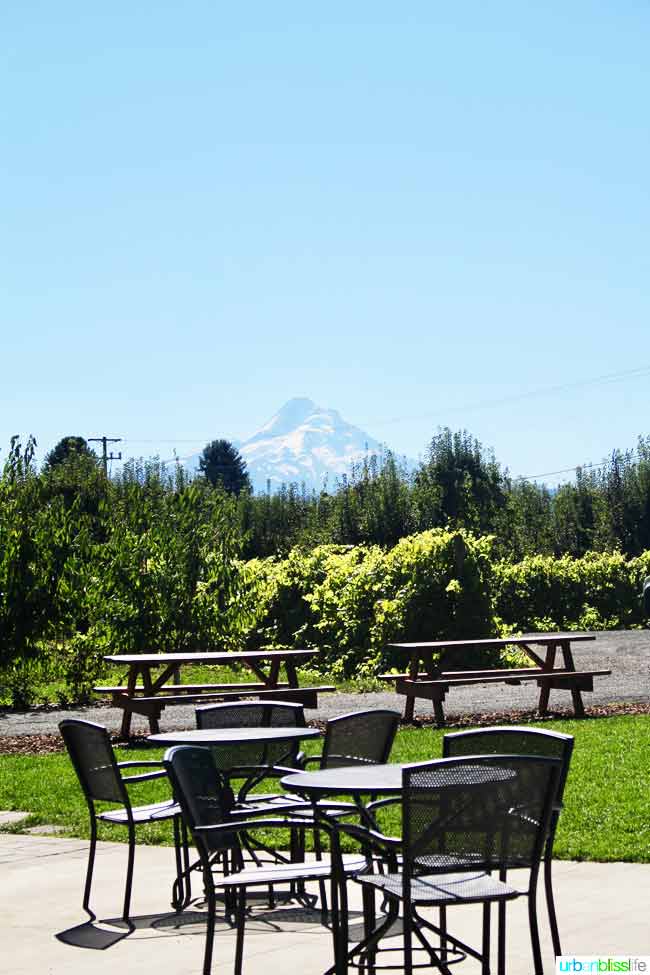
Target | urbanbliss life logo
(594,963)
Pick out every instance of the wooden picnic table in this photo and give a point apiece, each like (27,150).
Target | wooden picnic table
(427,679)
(157,690)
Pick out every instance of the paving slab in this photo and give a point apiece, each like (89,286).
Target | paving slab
(9,817)
(603,909)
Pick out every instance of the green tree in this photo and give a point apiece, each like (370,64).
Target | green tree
(35,538)
(222,464)
(67,448)
(525,525)
(460,483)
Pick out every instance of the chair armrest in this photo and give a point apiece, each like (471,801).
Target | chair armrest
(243,771)
(380,803)
(145,777)
(139,764)
(251,823)
(371,836)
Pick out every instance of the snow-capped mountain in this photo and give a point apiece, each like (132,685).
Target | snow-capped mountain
(304,443)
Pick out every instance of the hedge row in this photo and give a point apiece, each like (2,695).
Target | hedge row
(351,602)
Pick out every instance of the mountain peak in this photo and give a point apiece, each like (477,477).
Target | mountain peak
(304,443)
(294,412)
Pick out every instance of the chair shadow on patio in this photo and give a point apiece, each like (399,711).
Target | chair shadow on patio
(107,932)
(102,934)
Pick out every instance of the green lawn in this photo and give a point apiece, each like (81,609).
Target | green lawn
(607,799)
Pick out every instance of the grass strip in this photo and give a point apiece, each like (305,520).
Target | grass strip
(607,799)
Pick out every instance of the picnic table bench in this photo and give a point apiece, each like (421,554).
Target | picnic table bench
(156,691)
(433,683)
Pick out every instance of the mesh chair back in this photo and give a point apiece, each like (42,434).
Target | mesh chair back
(252,714)
(513,740)
(360,738)
(200,790)
(242,714)
(92,756)
(482,812)
(282,714)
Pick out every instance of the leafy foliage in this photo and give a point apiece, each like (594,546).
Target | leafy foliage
(152,560)
(69,447)
(350,602)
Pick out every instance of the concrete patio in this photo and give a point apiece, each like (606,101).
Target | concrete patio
(603,908)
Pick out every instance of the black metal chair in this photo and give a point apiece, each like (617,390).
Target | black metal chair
(241,760)
(358,738)
(522,741)
(215,824)
(101,779)
(255,762)
(463,819)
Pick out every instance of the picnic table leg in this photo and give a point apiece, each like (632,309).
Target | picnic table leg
(433,670)
(576,695)
(150,691)
(409,708)
(545,690)
(274,673)
(125,729)
(438,710)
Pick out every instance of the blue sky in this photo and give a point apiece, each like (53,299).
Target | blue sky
(416,216)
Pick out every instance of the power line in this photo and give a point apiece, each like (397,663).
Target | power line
(570,470)
(638,372)
(608,378)
(565,470)
(614,377)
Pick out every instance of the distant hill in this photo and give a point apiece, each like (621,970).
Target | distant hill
(303,443)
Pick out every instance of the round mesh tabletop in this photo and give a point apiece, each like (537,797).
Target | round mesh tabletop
(230,736)
(384,779)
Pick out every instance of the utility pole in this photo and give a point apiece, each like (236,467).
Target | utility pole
(105,455)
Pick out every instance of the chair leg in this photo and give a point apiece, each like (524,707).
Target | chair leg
(501,933)
(318,850)
(485,947)
(408,941)
(211,899)
(534,928)
(182,887)
(369,921)
(89,868)
(550,903)
(241,925)
(129,876)
(501,944)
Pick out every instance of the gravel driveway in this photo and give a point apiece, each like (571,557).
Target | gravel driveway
(626,653)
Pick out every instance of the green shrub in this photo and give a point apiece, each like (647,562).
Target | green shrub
(350,602)
(598,591)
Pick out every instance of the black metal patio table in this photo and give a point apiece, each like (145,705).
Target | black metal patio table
(357,781)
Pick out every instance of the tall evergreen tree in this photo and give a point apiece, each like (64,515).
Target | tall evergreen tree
(222,464)
(66,448)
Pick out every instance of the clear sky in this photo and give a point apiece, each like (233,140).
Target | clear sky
(417,214)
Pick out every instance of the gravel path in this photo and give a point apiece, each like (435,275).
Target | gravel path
(625,653)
